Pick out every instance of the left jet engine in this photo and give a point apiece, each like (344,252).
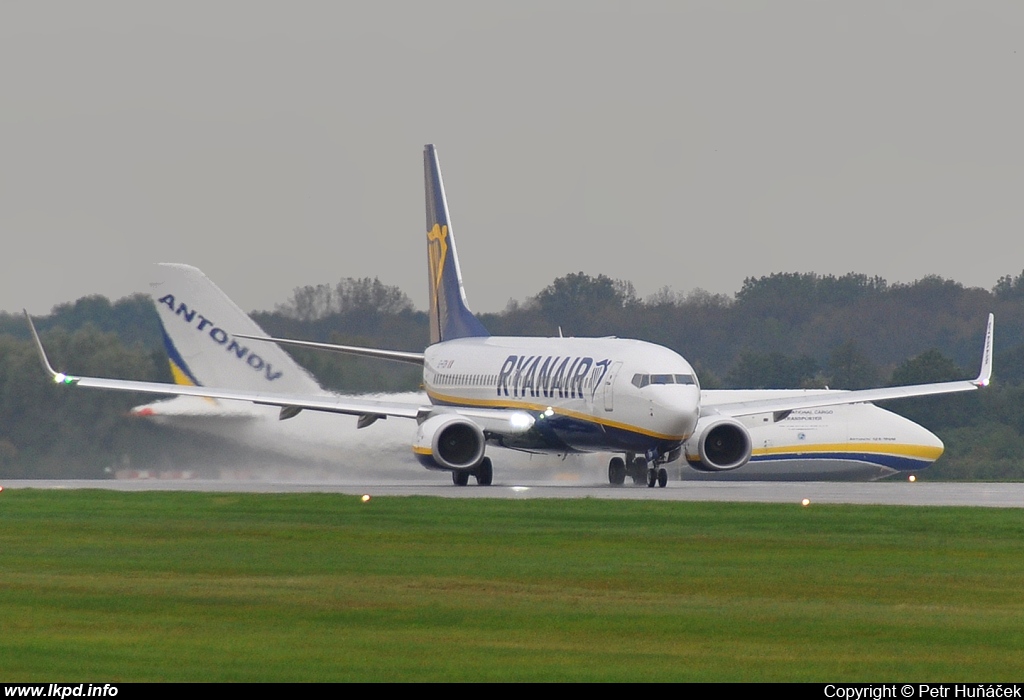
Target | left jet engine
(448,441)
(718,444)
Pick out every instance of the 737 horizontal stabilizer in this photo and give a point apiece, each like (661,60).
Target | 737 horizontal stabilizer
(414,358)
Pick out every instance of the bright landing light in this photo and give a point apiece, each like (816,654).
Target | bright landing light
(521,421)
(805,502)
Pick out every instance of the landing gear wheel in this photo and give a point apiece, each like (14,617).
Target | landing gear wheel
(460,478)
(652,477)
(638,470)
(662,477)
(616,471)
(484,472)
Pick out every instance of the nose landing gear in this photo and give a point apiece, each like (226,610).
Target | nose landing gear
(638,470)
(657,476)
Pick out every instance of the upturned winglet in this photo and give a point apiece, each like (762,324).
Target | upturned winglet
(58,377)
(985,375)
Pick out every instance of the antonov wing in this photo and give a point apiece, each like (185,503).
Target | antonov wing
(835,398)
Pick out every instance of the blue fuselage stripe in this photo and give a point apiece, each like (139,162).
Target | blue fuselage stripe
(897,462)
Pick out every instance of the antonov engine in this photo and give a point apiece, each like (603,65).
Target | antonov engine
(449,441)
(718,444)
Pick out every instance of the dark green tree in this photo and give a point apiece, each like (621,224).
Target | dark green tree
(929,366)
(934,412)
(771,371)
(850,368)
(1010,288)
(584,302)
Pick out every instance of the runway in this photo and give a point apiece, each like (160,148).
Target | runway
(988,495)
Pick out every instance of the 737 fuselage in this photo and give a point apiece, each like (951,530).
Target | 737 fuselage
(579,390)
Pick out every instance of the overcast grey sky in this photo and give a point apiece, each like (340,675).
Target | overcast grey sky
(688,144)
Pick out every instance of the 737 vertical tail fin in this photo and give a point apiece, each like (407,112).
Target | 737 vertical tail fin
(450,316)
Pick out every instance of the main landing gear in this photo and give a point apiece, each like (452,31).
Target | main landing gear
(617,471)
(638,470)
(484,474)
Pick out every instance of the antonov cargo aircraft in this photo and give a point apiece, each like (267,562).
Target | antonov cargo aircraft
(636,400)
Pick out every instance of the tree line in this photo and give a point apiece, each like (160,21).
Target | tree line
(784,330)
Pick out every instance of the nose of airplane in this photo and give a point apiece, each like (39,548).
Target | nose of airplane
(916,446)
(928,443)
(677,409)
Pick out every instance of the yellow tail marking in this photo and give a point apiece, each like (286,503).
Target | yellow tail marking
(437,252)
(180,378)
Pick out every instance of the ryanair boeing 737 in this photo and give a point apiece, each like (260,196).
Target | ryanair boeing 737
(639,401)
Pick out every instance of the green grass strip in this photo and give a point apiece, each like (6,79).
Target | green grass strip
(101,586)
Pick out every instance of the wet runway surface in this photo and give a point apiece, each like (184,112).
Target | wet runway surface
(993,495)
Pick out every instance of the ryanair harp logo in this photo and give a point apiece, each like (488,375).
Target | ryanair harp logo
(437,254)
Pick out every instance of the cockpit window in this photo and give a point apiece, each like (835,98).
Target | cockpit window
(642,380)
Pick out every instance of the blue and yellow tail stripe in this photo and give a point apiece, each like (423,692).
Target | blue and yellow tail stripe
(449,316)
(179,368)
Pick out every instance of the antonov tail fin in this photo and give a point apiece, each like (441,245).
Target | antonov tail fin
(450,316)
(202,330)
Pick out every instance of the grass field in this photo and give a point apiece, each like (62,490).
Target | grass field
(107,586)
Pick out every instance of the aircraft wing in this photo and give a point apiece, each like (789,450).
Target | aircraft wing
(497,420)
(415,358)
(835,398)
(369,409)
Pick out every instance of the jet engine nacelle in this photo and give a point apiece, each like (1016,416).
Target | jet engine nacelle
(449,441)
(718,444)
